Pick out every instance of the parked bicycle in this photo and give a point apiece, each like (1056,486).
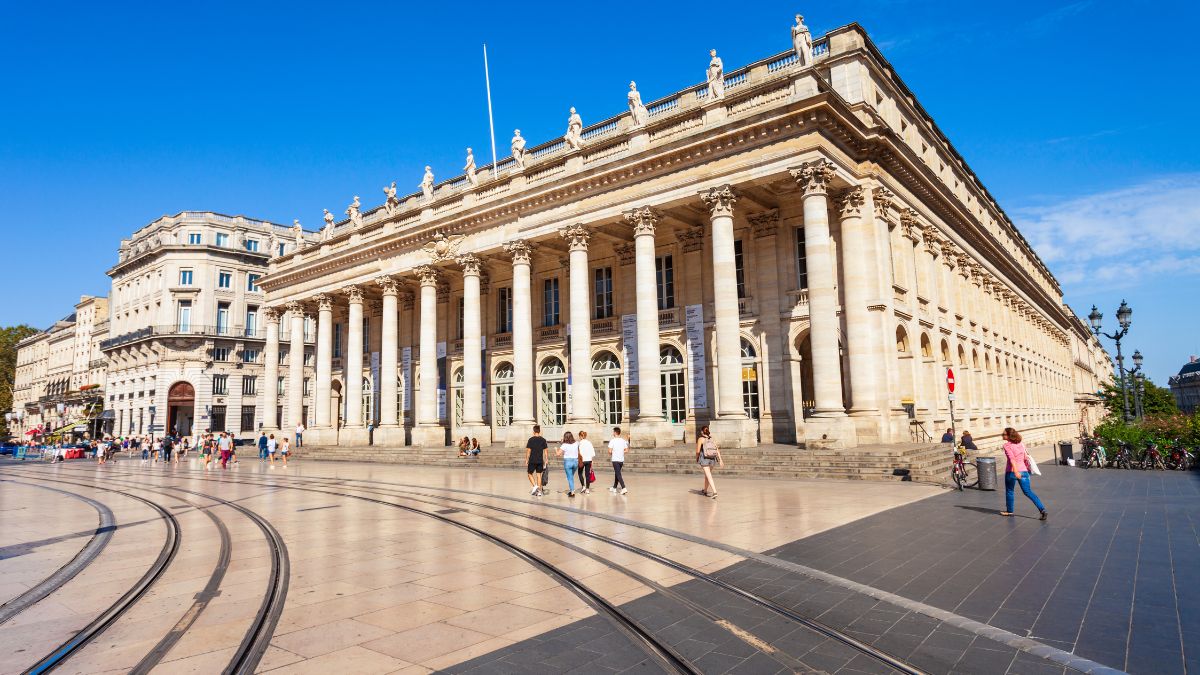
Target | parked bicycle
(1151,458)
(1093,454)
(1123,458)
(963,472)
(1178,458)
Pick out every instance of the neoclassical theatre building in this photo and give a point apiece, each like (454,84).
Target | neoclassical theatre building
(789,252)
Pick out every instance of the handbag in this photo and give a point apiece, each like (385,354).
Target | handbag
(1033,467)
(591,476)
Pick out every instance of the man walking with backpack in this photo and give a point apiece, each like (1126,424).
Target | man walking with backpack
(535,460)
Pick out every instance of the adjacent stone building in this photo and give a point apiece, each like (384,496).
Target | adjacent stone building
(1186,387)
(1093,367)
(791,253)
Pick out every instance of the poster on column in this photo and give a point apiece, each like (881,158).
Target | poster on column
(694,327)
(406,373)
(629,346)
(570,367)
(376,388)
(483,381)
(441,383)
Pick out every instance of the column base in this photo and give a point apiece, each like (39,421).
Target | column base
(516,433)
(868,425)
(480,431)
(651,433)
(318,436)
(390,436)
(357,437)
(734,433)
(835,431)
(591,426)
(429,436)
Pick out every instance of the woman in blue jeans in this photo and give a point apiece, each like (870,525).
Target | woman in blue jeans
(1016,472)
(569,451)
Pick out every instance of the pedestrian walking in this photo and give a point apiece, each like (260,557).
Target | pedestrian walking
(568,449)
(225,447)
(272,448)
(262,446)
(535,460)
(708,454)
(284,451)
(1017,471)
(616,451)
(587,453)
(300,435)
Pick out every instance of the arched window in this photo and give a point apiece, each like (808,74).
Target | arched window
(672,384)
(502,389)
(962,356)
(457,387)
(926,348)
(368,399)
(945,352)
(901,340)
(606,388)
(552,386)
(749,379)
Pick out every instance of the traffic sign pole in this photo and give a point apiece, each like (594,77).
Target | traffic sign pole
(950,398)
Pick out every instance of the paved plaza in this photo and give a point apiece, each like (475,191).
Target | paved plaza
(343,567)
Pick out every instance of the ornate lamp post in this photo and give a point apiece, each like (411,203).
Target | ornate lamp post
(1124,314)
(1138,379)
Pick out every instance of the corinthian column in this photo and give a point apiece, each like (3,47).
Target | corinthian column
(355,433)
(429,430)
(321,416)
(472,424)
(857,260)
(271,371)
(649,429)
(295,390)
(389,432)
(814,179)
(522,344)
(582,412)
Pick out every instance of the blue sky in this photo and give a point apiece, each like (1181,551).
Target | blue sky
(1077,116)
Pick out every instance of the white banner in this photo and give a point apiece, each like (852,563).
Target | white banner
(443,376)
(406,373)
(694,327)
(629,344)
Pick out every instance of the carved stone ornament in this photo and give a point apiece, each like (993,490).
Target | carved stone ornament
(643,219)
(929,235)
(720,201)
(884,200)
(354,211)
(443,292)
(428,274)
(389,285)
(271,315)
(295,309)
(949,254)
(391,203)
(765,222)
(964,265)
(625,253)
(443,247)
(850,202)
(911,225)
(407,300)
(814,177)
(521,252)
(471,263)
(354,293)
(577,236)
(692,239)
(324,302)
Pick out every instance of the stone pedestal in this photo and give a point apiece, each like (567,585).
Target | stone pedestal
(826,432)
(391,436)
(479,431)
(429,435)
(354,437)
(734,433)
(516,434)
(651,433)
(316,436)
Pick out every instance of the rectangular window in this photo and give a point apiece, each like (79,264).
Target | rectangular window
(251,321)
(249,355)
(739,268)
(194,238)
(252,283)
(220,385)
(550,302)
(185,277)
(247,418)
(602,303)
(504,310)
(224,279)
(222,318)
(337,340)
(185,316)
(222,240)
(220,354)
(461,317)
(249,385)
(279,388)
(252,245)
(801,260)
(664,273)
(218,419)
(282,249)
(283,357)
(307,386)
(308,357)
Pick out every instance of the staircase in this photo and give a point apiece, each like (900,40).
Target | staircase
(926,462)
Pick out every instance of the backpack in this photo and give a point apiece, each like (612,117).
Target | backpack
(710,449)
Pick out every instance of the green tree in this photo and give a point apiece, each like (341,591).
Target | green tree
(1156,400)
(9,337)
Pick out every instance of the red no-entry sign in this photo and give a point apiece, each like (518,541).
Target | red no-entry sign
(950,380)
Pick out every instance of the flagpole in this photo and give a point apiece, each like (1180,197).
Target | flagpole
(491,124)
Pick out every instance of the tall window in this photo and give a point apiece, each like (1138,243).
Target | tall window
(249,385)
(247,418)
(739,267)
(224,279)
(252,245)
(801,259)
(460,329)
(222,318)
(218,418)
(368,401)
(552,381)
(602,303)
(251,321)
(606,388)
(504,310)
(306,387)
(185,277)
(193,238)
(282,249)
(252,282)
(459,380)
(550,302)
(664,272)
(279,388)
(749,379)
(249,355)
(337,340)
(503,394)
(672,380)
(185,316)
(220,385)
(222,240)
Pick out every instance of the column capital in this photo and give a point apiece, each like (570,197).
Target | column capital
(814,177)
(692,238)
(625,253)
(472,264)
(931,239)
(949,256)
(354,294)
(719,200)
(521,251)
(389,284)
(643,219)
(851,201)
(964,265)
(428,274)
(884,200)
(295,308)
(271,314)
(911,224)
(764,222)
(324,302)
(577,236)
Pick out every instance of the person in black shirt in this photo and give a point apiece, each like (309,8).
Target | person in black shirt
(535,460)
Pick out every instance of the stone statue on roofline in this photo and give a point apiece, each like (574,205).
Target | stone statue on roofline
(354,211)
(518,149)
(426,183)
(802,42)
(636,110)
(574,135)
(469,169)
(716,77)
(273,243)
(298,231)
(327,231)
(391,203)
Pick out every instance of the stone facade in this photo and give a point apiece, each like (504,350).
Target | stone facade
(797,258)
(1093,367)
(1186,387)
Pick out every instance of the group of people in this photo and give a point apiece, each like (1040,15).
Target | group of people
(268,447)
(578,455)
(468,447)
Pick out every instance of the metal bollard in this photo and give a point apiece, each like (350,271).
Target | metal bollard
(986,466)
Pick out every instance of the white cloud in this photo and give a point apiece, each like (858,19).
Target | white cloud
(1121,238)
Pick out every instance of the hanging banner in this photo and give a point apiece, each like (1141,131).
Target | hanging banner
(570,367)
(376,389)
(694,328)
(483,379)
(629,346)
(406,373)
(441,383)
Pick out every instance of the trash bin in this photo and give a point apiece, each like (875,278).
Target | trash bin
(986,466)
(1065,453)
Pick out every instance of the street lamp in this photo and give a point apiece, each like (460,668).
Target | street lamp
(1124,318)
(1138,378)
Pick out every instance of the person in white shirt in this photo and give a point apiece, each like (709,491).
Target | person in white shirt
(300,435)
(586,454)
(272,446)
(616,450)
(568,449)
